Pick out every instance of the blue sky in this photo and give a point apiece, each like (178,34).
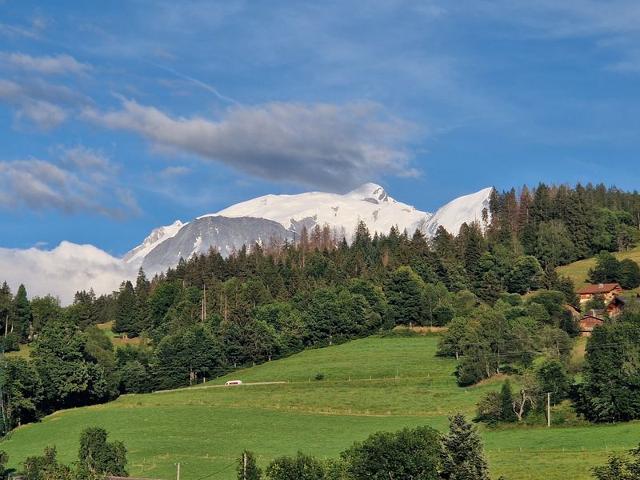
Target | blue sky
(117,117)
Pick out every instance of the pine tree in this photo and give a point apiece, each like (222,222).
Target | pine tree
(125,309)
(21,315)
(247,467)
(463,456)
(506,403)
(405,292)
(473,246)
(141,316)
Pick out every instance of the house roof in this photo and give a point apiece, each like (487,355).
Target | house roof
(589,321)
(599,288)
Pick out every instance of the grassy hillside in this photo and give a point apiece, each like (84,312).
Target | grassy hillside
(579,271)
(370,384)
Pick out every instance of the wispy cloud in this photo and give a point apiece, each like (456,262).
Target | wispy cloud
(47,65)
(320,145)
(43,104)
(172,172)
(69,185)
(613,25)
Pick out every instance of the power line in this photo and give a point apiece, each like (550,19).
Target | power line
(217,471)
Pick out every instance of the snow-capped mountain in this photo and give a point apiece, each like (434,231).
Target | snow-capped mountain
(368,203)
(155,238)
(281,217)
(465,209)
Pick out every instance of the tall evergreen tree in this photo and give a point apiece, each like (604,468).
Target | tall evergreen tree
(125,310)
(247,467)
(506,403)
(141,320)
(463,456)
(405,290)
(21,315)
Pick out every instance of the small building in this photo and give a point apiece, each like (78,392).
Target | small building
(608,291)
(588,322)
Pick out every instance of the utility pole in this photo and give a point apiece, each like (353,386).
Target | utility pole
(548,409)
(178,471)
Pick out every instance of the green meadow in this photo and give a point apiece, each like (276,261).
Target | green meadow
(579,271)
(369,385)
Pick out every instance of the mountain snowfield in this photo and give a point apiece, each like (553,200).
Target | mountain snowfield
(247,222)
(368,203)
(465,209)
(70,267)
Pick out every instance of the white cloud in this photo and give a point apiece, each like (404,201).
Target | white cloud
(72,185)
(64,270)
(321,145)
(46,65)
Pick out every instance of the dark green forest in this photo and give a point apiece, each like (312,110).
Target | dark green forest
(493,284)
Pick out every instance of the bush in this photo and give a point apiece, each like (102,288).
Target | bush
(319,376)
(10,343)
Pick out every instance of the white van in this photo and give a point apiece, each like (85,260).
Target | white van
(233,382)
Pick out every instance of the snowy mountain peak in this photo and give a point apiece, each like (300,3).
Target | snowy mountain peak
(368,203)
(465,209)
(370,191)
(155,238)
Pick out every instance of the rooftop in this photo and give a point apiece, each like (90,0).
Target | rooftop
(599,288)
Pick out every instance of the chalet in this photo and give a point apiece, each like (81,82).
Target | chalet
(608,291)
(589,322)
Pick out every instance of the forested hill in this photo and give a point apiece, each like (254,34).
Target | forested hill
(211,314)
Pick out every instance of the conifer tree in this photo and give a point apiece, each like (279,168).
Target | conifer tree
(141,317)
(21,316)
(405,292)
(463,456)
(125,309)
(473,246)
(247,467)
(506,403)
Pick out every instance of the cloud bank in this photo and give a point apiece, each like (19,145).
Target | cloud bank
(64,270)
(328,146)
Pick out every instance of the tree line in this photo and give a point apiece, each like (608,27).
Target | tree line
(492,285)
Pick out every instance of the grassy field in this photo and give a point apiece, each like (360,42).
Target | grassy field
(117,340)
(370,384)
(579,271)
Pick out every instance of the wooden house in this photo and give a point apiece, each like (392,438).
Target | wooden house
(608,291)
(588,322)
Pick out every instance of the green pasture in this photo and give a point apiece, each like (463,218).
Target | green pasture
(369,385)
